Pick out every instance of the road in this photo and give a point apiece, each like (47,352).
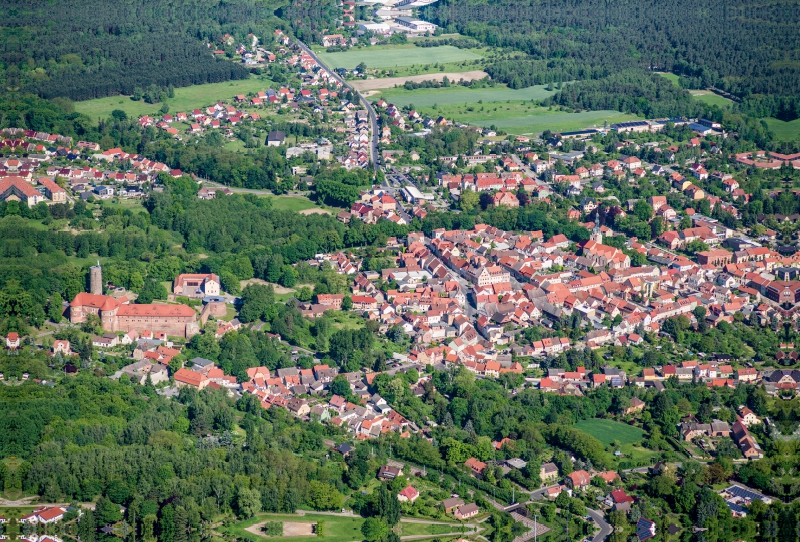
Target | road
(373,118)
(599,518)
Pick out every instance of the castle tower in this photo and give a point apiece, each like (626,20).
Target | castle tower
(96,279)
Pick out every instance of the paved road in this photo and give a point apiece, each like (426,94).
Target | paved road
(373,118)
(605,528)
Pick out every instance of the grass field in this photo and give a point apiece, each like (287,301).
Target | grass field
(784,131)
(186,98)
(337,528)
(292,203)
(712,99)
(608,431)
(387,57)
(459,95)
(421,529)
(671,76)
(519,117)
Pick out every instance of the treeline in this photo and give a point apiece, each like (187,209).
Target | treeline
(736,46)
(461,43)
(93,49)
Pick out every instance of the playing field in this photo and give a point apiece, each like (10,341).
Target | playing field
(396,56)
(458,95)
(336,528)
(784,131)
(608,431)
(186,99)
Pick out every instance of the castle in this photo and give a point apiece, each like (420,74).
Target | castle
(116,315)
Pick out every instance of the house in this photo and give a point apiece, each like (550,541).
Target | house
(548,471)
(344,449)
(186,377)
(477,467)
(276,138)
(409,494)
(636,406)
(388,472)
(578,479)
(645,529)
(466,511)
(48,514)
(451,504)
(748,417)
(12,340)
(62,347)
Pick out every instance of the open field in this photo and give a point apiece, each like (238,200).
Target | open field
(292,203)
(671,76)
(520,117)
(457,94)
(608,431)
(390,56)
(390,82)
(421,529)
(337,528)
(186,98)
(784,131)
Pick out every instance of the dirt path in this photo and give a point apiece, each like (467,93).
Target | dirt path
(389,82)
(315,211)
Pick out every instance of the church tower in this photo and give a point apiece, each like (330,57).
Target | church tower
(597,235)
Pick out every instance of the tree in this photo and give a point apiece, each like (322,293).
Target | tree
(87,526)
(643,210)
(388,506)
(340,386)
(468,200)
(248,502)
(166,524)
(347,303)
(374,529)
(256,299)
(55,307)
(106,512)
(323,496)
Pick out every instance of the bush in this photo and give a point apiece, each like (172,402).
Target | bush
(273,528)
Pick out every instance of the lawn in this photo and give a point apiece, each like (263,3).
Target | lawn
(458,95)
(521,117)
(387,57)
(671,76)
(608,431)
(784,131)
(186,98)
(337,528)
(347,320)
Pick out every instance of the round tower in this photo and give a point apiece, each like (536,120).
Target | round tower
(96,279)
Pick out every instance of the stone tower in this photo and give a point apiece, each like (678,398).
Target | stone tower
(96,279)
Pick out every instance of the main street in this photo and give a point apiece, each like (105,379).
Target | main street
(373,118)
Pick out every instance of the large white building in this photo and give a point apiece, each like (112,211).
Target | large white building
(415,24)
(377,28)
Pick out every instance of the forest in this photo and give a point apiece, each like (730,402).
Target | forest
(749,49)
(92,49)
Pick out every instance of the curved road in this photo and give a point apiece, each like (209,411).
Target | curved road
(373,118)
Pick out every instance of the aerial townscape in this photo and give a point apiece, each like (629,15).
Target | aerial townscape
(400,270)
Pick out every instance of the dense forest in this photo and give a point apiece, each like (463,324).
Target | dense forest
(98,49)
(749,49)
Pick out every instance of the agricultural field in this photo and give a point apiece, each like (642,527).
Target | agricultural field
(782,130)
(522,117)
(391,56)
(336,528)
(186,98)
(457,94)
(608,431)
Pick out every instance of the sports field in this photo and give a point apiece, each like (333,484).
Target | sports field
(186,99)
(784,131)
(608,431)
(457,94)
(375,57)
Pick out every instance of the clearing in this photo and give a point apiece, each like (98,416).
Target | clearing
(390,56)
(294,203)
(390,82)
(782,130)
(456,94)
(608,431)
(186,98)
(337,528)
